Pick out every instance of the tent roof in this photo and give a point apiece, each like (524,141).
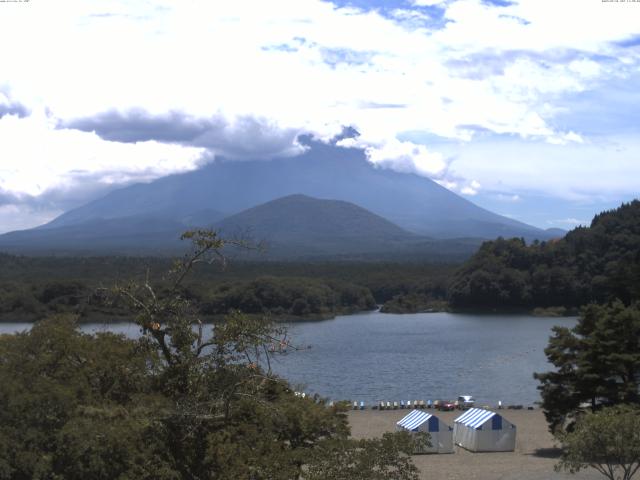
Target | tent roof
(414,420)
(475,417)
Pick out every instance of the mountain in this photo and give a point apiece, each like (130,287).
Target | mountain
(305,228)
(412,202)
(300,218)
(293,227)
(136,234)
(302,225)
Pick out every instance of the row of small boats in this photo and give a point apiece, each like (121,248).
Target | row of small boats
(395,405)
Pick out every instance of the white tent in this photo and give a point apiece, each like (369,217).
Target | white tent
(441,434)
(481,430)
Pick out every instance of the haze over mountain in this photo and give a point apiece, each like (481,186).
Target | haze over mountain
(133,235)
(296,227)
(413,202)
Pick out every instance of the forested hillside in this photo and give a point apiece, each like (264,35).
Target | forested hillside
(590,264)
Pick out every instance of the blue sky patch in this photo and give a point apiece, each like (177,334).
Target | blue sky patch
(498,3)
(611,109)
(372,4)
(432,17)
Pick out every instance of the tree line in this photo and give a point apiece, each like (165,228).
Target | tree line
(33,287)
(594,264)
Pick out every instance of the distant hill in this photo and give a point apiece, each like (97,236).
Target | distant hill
(316,225)
(302,227)
(305,228)
(414,203)
(590,264)
(295,227)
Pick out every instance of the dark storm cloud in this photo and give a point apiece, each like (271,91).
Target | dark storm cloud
(244,137)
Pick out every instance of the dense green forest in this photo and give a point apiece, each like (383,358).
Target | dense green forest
(32,287)
(289,296)
(590,264)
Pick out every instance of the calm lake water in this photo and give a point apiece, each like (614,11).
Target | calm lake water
(377,356)
(374,356)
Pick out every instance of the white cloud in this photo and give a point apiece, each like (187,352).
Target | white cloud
(37,157)
(538,25)
(471,189)
(508,198)
(573,172)
(585,68)
(448,184)
(564,138)
(205,58)
(407,157)
(304,65)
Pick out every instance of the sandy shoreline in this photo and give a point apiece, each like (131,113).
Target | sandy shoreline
(533,458)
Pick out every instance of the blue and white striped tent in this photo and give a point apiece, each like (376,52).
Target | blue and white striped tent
(441,434)
(481,430)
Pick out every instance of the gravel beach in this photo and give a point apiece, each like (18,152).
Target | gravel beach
(533,459)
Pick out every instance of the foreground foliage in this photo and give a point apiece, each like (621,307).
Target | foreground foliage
(608,441)
(597,364)
(378,459)
(181,402)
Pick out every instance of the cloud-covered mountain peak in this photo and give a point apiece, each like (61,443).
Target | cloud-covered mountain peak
(325,171)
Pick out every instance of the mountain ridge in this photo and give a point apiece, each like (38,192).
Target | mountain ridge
(295,227)
(414,203)
(388,210)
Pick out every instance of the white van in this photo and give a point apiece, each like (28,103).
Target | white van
(466,401)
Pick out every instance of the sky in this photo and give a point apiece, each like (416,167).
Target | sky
(530,108)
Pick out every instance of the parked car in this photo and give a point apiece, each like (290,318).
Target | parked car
(446,405)
(465,401)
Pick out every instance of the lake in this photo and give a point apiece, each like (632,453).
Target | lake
(374,356)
